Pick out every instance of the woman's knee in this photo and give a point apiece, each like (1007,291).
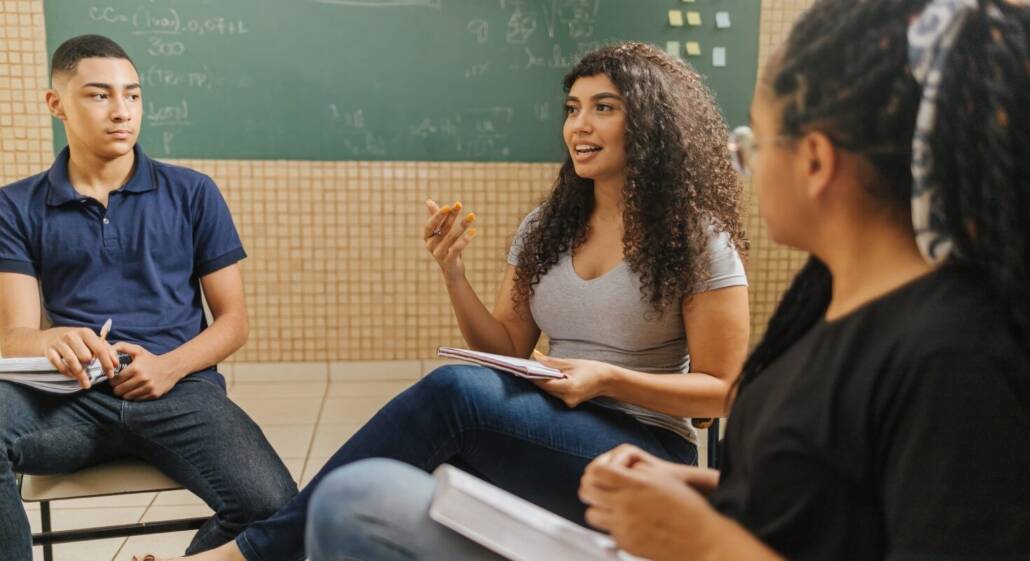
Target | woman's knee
(457,381)
(375,491)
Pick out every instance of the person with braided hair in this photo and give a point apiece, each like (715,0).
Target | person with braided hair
(630,266)
(885,414)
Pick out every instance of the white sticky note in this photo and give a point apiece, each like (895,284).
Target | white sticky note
(676,18)
(689,1)
(722,20)
(672,47)
(693,48)
(694,18)
(719,57)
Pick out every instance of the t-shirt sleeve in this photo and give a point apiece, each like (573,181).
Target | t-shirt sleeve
(15,252)
(216,243)
(517,242)
(956,449)
(725,268)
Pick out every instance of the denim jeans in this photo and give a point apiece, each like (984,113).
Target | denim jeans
(194,434)
(501,428)
(378,510)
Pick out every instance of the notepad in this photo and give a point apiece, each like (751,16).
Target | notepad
(513,527)
(676,18)
(520,367)
(38,373)
(719,57)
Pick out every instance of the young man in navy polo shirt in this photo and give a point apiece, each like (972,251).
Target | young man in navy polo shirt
(110,233)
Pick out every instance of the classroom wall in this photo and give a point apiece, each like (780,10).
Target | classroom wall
(336,268)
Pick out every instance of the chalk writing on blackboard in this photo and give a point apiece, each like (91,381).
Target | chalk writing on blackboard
(384,3)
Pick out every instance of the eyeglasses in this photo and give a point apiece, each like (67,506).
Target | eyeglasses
(742,150)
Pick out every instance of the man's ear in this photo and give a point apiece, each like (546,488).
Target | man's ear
(53,97)
(53,103)
(820,161)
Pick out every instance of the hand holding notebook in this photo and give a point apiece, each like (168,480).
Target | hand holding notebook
(513,527)
(41,373)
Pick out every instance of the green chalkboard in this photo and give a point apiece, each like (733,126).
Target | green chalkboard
(442,80)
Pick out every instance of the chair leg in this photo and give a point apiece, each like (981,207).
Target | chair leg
(44,514)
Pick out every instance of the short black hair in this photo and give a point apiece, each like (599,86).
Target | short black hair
(67,56)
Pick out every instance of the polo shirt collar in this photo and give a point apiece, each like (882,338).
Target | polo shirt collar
(62,191)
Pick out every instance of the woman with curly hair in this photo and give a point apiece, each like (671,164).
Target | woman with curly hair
(885,414)
(630,268)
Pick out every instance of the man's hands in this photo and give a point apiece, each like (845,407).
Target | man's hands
(70,348)
(148,377)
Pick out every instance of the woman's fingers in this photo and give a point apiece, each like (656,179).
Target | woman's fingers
(443,227)
(462,242)
(454,230)
(435,220)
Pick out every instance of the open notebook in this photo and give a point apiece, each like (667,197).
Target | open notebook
(38,373)
(517,366)
(513,527)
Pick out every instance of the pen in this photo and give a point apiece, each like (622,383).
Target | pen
(105,329)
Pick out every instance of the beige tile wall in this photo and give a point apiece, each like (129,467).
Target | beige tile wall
(336,268)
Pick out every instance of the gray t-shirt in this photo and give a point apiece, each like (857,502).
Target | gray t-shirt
(607,319)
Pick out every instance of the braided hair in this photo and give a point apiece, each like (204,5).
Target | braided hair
(680,180)
(844,72)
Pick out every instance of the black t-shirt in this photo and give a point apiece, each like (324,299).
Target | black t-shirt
(900,432)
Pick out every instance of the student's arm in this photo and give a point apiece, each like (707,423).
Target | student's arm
(717,326)
(505,331)
(151,376)
(68,348)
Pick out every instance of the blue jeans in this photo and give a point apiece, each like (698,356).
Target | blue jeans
(194,433)
(378,510)
(501,428)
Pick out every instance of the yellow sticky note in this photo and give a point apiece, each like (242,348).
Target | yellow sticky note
(693,48)
(694,18)
(676,18)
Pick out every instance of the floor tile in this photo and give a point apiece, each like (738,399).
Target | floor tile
(384,388)
(274,372)
(351,409)
(330,436)
(278,389)
(378,370)
(290,441)
(271,410)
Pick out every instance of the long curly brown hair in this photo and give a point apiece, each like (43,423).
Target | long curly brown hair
(679,180)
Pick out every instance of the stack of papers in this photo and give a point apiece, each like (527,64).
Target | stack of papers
(38,373)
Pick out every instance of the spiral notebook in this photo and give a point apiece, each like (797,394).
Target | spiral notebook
(38,373)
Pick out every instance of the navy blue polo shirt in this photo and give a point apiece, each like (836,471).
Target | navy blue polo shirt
(139,261)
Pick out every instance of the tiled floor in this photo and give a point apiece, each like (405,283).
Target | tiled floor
(306,419)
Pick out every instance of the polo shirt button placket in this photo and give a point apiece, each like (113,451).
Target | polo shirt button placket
(110,235)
